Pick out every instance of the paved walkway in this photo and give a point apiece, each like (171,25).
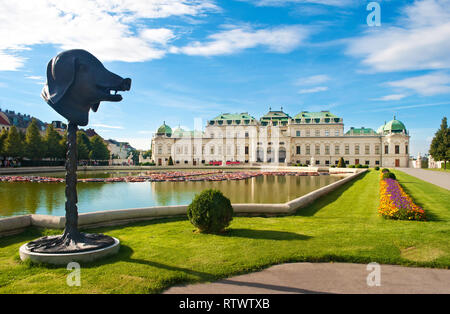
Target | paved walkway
(438,178)
(326,278)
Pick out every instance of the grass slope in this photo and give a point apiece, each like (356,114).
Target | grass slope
(342,226)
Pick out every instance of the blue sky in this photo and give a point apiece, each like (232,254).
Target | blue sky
(196,59)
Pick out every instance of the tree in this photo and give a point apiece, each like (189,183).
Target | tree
(85,139)
(34,144)
(13,146)
(52,140)
(147,154)
(440,145)
(3,136)
(82,146)
(99,150)
(341,163)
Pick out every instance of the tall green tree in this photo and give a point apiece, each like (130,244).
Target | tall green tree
(440,145)
(63,144)
(34,144)
(3,136)
(53,145)
(99,150)
(82,146)
(13,146)
(341,163)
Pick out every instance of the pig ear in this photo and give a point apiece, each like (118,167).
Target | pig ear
(61,72)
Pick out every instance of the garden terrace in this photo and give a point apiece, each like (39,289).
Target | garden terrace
(342,226)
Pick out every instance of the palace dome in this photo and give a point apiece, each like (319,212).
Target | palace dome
(393,126)
(164,130)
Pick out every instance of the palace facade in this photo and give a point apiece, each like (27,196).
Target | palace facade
(308,138)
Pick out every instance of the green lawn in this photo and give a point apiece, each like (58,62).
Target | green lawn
(342,227)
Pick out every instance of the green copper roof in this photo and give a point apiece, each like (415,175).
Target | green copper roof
(230,118)
(180,132)
(275,115)
(164,130)
(394,126)
(360,131)
(234,116)
(315,115)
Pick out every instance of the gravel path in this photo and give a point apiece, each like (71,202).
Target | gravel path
(438,178)
(326,278)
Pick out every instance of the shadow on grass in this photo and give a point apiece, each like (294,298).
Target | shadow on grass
(323,201)
(430,216)
(265,234)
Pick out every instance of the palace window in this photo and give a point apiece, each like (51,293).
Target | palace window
(317,132)
(336,133)
(159,149)
(367,162)
(212,150)
(367,150)
(317,149)
(406,149)
(336,149)
(386,149)
(297,133)
(308,132)
(357,149)
(347,149)
(308,149)
(246,150)
(327,149)
(298,150)
(317,162)
(327,132)
(377,149)
(397,149)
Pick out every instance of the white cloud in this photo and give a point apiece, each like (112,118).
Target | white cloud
(278,39)
(313,90)
(391,97)
(421,40)
(141,143)
(107,126)
(261,3)
(101,26)
(427,85)
(312,80)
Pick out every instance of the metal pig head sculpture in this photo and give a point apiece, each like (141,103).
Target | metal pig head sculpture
(77,82)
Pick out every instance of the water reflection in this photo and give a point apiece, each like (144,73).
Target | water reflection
(49,198)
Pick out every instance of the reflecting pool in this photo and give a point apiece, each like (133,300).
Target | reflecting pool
(48,198)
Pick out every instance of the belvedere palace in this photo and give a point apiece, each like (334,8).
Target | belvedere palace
(308,138)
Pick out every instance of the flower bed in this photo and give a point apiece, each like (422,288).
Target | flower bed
(396,204)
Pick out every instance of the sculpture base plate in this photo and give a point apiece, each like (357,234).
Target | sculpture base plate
(84,254)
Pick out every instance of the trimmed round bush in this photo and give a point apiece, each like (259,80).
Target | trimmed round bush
(377,168)
(389,175)
(385,170)
(210,211)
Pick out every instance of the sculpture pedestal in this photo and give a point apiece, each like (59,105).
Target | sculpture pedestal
(81,253)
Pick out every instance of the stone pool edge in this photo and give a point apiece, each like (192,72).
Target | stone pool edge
(17,224)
